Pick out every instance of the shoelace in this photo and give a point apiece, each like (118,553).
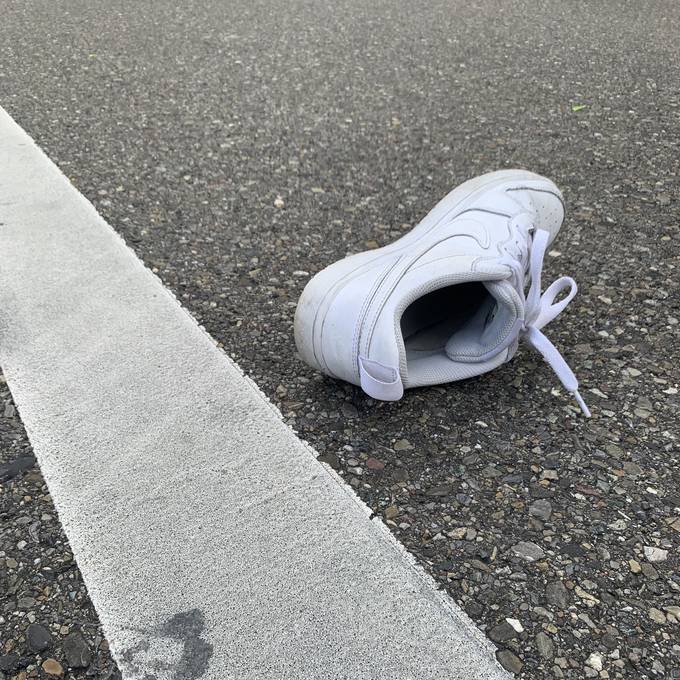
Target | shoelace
(540,310)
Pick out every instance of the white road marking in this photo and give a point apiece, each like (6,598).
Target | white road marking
(213,544)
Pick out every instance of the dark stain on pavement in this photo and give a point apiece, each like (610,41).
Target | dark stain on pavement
(185,628)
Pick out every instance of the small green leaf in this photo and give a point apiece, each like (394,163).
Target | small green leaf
(578,107)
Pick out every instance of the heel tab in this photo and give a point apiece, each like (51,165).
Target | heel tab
(380,381)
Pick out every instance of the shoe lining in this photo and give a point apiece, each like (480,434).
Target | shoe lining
(429,322)
(457,331)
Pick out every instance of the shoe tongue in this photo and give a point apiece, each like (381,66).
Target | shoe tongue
(488,330)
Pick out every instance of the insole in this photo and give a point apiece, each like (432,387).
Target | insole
(428,323)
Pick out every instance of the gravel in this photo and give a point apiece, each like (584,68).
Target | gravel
(240,147)
(48,626)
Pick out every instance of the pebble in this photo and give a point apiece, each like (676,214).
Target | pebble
(52,667)
(648,571)
(509,661)
(375,464)
(26,603)
(655,554)
(38,638)
(585,595)
(632,469)
(643,407)
(458,533)
(391,512)
(439,490)
(77,651)
(330,459)
(542,509)
(557,594)
(502,632)
(528,551)
(403,445)
(544,645)
(657,615)
(516,624)
(595,661)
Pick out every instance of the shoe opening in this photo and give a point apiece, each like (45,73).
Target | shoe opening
(465,323)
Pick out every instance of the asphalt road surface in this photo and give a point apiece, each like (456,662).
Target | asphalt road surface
(184,123)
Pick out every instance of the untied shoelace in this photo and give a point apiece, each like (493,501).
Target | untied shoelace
(540,310)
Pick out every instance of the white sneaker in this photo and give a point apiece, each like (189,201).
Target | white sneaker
(446,301)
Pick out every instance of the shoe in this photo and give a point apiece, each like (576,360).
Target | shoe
(446,301)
